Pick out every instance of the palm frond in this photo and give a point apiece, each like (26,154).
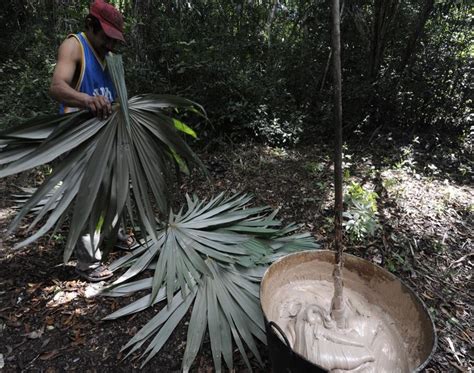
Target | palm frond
(108,168)
(212,256)
(197,234)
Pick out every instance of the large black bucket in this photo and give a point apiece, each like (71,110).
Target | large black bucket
(381,287)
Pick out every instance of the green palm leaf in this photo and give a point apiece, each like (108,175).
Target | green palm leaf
(109,169)
(203,259)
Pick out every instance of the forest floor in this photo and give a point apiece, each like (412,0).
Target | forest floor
(48,323)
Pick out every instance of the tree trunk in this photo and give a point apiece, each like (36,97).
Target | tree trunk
(384,13)
(270,19)
(337,305)
(326,69)
(328,62)
(141,10)
(415,36)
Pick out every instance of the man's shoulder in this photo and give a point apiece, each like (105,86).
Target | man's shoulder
(73,40)
(71,46)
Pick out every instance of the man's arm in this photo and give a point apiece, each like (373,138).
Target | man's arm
(69,57)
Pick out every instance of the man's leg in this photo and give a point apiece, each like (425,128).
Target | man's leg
(89,259)
(125,241)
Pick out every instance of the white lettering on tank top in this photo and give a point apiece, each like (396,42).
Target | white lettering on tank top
(103,91)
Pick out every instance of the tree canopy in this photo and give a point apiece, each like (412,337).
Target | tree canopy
(260,68)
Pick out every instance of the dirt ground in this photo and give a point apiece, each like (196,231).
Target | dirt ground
(48,323)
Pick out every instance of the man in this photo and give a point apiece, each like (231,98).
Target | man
(81,81)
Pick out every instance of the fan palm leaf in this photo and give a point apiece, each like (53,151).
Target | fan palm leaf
(200,233)
(210,256)
(109,168)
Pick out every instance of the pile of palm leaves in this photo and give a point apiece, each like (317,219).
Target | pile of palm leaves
(209,256)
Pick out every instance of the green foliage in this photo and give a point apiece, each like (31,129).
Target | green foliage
(24,89)
(360,216)
(314,167)
(277,131)
(59,238)
(260,67)
(396,262)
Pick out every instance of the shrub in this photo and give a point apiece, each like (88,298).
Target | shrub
(361,214)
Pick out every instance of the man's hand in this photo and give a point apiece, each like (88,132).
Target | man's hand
(98,105)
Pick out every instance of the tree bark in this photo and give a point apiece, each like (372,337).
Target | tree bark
(337,305)
(384,13)
(140,10)
(326,69)
(328,62)
(270,19)
(415,36)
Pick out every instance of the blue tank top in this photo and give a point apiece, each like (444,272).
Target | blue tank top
(94,78)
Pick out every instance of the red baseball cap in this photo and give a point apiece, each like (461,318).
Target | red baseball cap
(109,17)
